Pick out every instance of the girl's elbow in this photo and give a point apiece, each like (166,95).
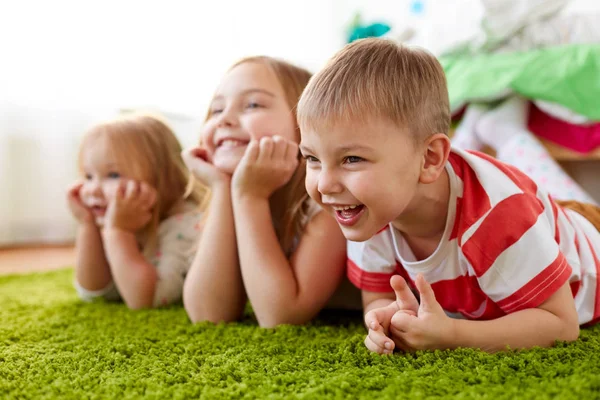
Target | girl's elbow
(138,304)
(197,315)
(571,332)
(204,313)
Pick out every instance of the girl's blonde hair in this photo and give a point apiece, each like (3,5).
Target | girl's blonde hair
(289,204)
(146,149)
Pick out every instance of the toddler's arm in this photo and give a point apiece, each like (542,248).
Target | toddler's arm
(92,273)
(134,276)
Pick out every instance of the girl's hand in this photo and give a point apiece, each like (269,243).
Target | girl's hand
(81,213)
(266,166)
(200,165)
(429,329)
(131,207)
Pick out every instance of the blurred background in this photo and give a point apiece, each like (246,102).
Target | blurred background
(69,64)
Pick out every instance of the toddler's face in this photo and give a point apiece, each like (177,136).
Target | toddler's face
(102,174)
(248,104)
(364,174)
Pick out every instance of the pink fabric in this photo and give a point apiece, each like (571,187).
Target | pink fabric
(580,138)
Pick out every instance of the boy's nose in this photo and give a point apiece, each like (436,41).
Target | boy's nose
(328,183)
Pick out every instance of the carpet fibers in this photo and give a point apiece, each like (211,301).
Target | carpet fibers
(54,346)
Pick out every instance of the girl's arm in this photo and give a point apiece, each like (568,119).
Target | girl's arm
(134,276)
(213,289)
(91,267)
(286,291)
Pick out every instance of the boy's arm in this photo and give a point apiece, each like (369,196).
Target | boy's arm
(134,276)
(91,267)
(555,319)
(213,289)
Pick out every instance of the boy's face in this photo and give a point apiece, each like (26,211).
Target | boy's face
(365,174)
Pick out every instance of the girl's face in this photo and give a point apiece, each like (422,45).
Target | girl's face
(102,174)
(248,104)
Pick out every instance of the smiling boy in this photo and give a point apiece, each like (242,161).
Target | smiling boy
(476,238)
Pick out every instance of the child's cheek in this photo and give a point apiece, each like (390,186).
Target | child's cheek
(269,125)
(110,189)
(85,193)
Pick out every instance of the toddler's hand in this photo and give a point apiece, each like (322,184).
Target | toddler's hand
(198,162)
(131,207)
(266,166)
(81,213)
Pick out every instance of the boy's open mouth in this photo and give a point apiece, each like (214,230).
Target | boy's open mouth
(348,215)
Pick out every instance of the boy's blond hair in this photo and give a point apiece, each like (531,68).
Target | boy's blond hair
(147,150)
(377,78)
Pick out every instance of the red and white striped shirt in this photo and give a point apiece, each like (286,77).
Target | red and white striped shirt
(506,247)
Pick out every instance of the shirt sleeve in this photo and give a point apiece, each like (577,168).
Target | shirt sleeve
(372,263)
(109,293)
(177,241)
(514,253)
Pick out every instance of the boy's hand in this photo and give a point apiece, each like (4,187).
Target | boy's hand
(81,213)
(266,166)
(131,208)
(429,329)
(378,320)
(199,163)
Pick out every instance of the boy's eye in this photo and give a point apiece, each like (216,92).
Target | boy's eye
(311,158)
(114,175)
(88,177)
(215,111)
(353,159)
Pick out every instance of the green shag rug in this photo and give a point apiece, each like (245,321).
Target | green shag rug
(54,346)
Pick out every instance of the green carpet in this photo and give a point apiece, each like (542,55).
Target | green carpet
(54,346)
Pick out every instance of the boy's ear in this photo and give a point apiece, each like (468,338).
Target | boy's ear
(436,151)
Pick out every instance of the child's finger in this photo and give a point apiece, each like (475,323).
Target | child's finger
(380,339)
(75,188)
(404,296)
(252,152)
(279,148)
(132,191)
(375,348)
(428,300)
(121,189)
(147,196)
(402,322)
(266,148)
